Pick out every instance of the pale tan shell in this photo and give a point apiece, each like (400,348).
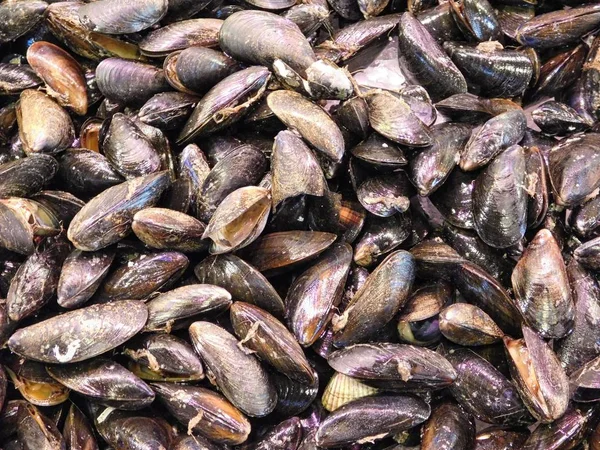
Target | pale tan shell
(342,389)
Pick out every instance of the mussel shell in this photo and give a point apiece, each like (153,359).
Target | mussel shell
(200,68)
(427,61)
(467,324)
(77,431)
(86,173)
(105,381)
(107,218)
(15,78)
(44,127)
(204,412)
(80,276)
(379,299)
(500,200)
(310,120)
(181,35)
(184,302)
(557,118)
(26,176)
(448,427)
(129,82)
(81,334)
(455,199)
(380,236)
(239,375)
(477,19)
(285,435)
(18,17)
(166,229)
(35,429)
(117,17)
(167,110)
(225,103)
(381,416)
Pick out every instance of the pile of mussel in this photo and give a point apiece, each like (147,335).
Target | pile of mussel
(299,225)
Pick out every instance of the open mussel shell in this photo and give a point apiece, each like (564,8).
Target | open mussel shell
(163,357)
(117,17)
(81,334)
(557,28)
(165,229)
(63,205)
(181,35)
(239,375)
(538,189)
(314,294)
(33,382)
(204,412)
(105,381)
(18,17)
(226,103)
(36,429)
(141,276)
(426,61)
(572,181)
(500,200)
(239,219)
(129,82)
(392,117)
(15,78)
(80,276)
(44,127)
(260,37)
(26,176)
(495,136)
(382,417)
(107,218)
(270,340)
(310,121)
(579,346)
(167,308)
(295,169)
(538,375)
(379,299)
(77,431)
(448,427)
(468,325)
(430,167)
(541,287)
(281,251)
(555,118)
(492,70)
(413,369)
(385,195)
(67,84)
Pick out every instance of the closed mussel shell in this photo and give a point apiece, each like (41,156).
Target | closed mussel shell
(314,125)
(270,340)
(381,416)
(67,84)
(541,287)
(555,118)
(166,229)
(163,357)
(180,35)
(26,176)
(129,82)
(585,382)
(80,276)
(105,381)
(467,324)
(477,19)
(44,127)
(379,152)
(81,334)
(77,431)
(283,436)
(226,103)
(380,236)
(15,78)
(380,298)
(484,392)
(86,173)
(34,428)
(183,302)
(167,110)
(539,376)
(107,218)
(414,368)
(238,375)
(448,427)
(455,200)
(498,437)
(117,17)
(205,412)
(242,280)
(142,276)
(314,294)
(199,68)
(18,17)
